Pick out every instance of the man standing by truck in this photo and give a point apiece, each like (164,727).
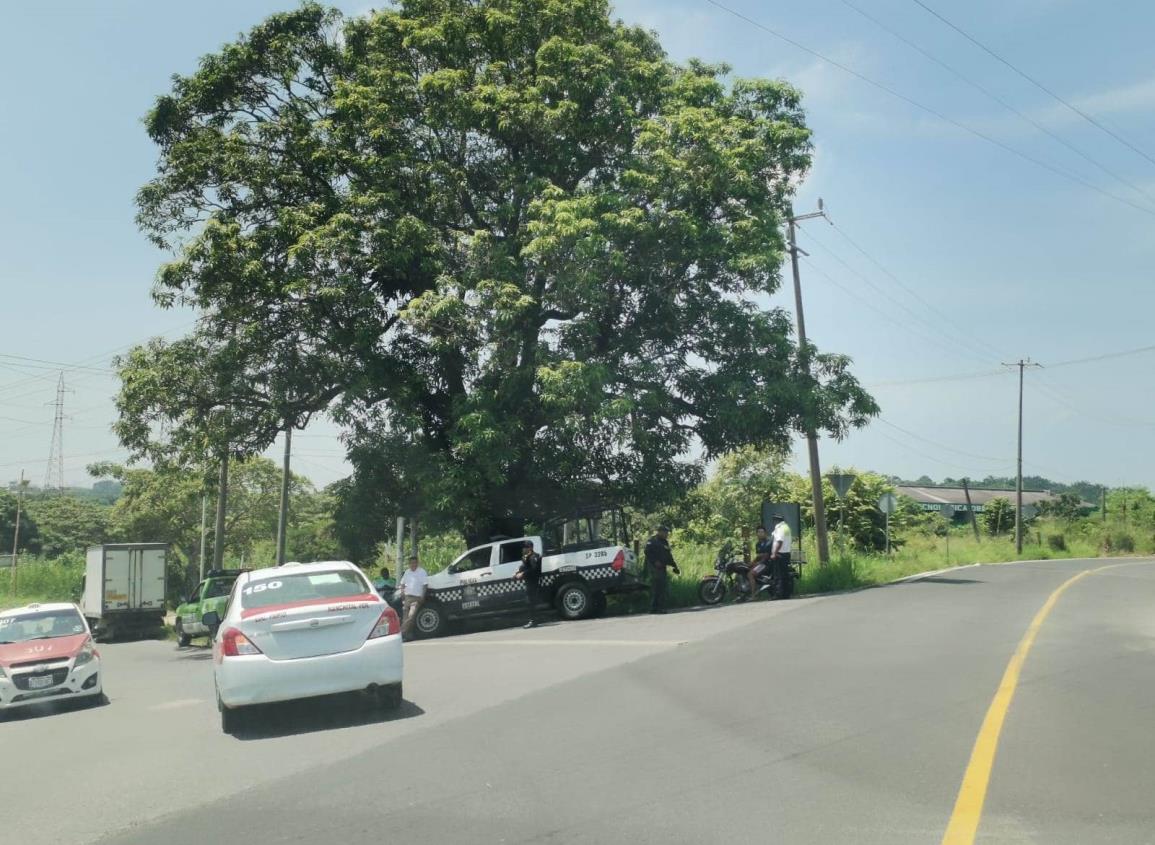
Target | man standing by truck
(659,559)
(530,574)
(412,593)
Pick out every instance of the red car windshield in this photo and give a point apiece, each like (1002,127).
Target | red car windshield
(40,625)
(337,584)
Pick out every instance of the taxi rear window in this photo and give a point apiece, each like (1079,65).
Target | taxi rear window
(284,589)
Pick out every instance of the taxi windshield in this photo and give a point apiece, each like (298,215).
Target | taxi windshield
(336,584)
(40,625)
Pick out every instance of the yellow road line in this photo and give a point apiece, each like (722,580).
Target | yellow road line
(968,808)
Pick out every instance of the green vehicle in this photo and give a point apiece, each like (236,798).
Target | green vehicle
(210,594)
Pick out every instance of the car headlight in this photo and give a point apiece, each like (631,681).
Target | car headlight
(85,656)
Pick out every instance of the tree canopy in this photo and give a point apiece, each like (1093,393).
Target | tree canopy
(516,251)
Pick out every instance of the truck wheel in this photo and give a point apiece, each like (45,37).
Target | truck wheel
(573,601)
(182,639)
(712,590)
(430,621)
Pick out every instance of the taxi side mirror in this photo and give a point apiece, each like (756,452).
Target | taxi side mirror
(212,621)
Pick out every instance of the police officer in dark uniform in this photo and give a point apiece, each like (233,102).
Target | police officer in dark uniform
(659,559)
(530,573)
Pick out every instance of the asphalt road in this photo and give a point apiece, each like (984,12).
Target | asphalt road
(846,719)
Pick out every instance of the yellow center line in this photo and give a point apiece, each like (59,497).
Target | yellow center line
(968,808)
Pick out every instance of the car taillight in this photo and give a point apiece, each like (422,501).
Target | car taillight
(387,625)
(619,560)
(236,644)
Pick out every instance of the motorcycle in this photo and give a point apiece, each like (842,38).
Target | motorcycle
(731,576)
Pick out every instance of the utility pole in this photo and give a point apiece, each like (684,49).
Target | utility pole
(16,533)
(204,528)
(222,506)
(283,513)
(1022,364)
(971,508)
(804,360)
(1103,503)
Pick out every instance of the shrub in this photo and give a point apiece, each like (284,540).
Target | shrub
(1057,542)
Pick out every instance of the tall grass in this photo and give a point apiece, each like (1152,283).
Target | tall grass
(42,580)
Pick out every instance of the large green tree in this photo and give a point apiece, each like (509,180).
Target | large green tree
(68,524)
(523,252)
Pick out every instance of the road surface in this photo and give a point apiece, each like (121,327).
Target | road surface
(843,719)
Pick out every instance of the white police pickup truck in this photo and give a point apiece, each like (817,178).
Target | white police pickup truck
(578,570)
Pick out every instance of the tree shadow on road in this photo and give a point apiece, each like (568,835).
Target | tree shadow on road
(937,579)
(272,721)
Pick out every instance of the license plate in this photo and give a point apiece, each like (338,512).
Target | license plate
(39,681)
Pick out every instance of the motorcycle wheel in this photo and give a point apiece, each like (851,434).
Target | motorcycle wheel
(712,590)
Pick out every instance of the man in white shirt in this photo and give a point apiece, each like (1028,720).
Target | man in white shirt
(412,592)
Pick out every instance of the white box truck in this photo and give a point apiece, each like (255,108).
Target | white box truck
(124,588)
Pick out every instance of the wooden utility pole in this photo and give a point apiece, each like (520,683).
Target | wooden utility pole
(971,509)
(804,361)
(283,510)
(222,507)
(16,533)
(1022,364)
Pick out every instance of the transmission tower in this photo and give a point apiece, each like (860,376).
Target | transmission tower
(54,474)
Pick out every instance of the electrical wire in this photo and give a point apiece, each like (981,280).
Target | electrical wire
(996,98)
(1089,118)
(933,112)
(958,341)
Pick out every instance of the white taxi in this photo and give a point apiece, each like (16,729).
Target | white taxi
(304,630)
(47,654)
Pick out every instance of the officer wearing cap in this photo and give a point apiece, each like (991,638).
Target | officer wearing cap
(659,559)
(530,573)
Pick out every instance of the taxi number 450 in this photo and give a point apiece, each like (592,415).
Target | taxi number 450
(260,588)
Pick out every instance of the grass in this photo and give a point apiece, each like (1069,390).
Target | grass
(40,580)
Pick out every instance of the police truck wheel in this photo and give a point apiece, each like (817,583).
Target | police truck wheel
(182,639)
(430,621)
(573,601)
(712,591)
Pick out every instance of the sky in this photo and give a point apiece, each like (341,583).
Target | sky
(964,235)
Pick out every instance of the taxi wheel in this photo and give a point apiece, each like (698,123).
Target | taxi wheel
(573,600)
(390,697)
(182,639)
(230,720)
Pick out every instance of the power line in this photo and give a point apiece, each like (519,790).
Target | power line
(993,96)
(927,440)
(936,379)
(932,111)
(935,332)
(1104,357)
(959,340)
(1035,82)
(873,307)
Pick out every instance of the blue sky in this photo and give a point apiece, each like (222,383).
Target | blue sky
(1005,259)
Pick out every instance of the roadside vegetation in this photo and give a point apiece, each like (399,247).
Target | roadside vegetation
(165,506)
